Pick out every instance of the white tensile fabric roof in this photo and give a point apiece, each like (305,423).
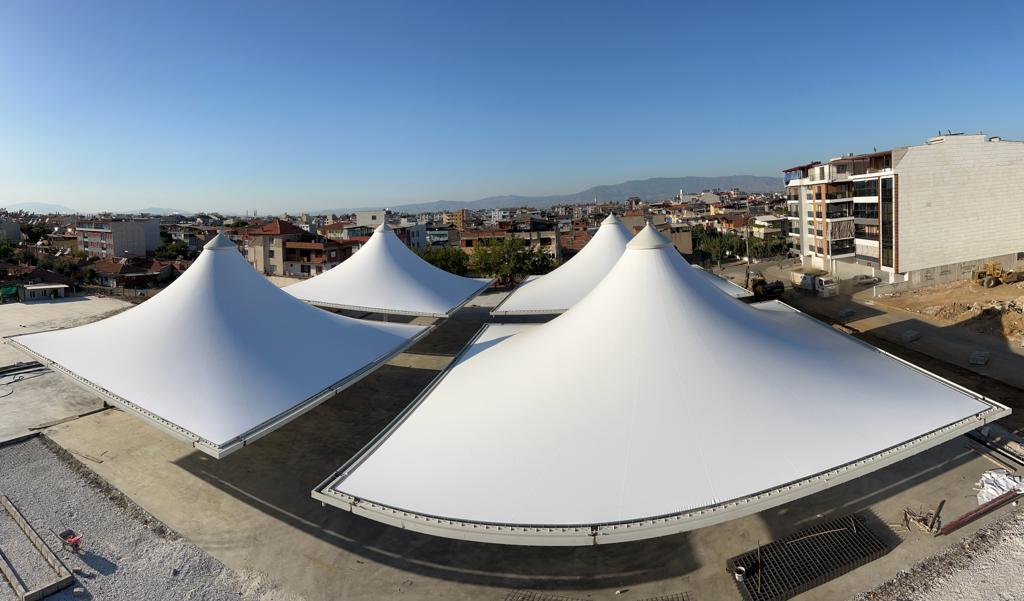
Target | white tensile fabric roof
(655,405)
(727,286)
(559,290)
(562,288)
(384,276)
(221,356)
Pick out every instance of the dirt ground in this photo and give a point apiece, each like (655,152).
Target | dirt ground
(995,311)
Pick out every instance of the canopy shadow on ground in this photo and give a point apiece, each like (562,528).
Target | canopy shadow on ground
(868,491)
(276,474)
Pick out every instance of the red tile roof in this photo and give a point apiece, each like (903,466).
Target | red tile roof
(275,228)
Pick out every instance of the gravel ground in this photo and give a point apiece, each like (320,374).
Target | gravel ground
(984,567)
(128,554)
(28,564)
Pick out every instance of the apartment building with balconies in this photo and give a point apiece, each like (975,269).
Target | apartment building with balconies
(919,214)
(118,238)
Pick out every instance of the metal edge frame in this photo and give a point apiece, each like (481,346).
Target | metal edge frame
(497,312)
(249,436)
(382,311)
(645,528)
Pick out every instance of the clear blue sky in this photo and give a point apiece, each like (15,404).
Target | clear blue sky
(298,105)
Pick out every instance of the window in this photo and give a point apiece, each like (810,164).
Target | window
(270,253)
(866,188)
(865,232)
(888,222)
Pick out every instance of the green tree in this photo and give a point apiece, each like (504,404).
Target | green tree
(762,248)
(34,231)
(509,260)
(172,250)
(6,252)
(714,246)
(448,258)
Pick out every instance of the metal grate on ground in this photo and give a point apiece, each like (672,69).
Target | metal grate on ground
(809,558)
(532,596)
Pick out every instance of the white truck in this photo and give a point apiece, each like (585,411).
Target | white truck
(816,281)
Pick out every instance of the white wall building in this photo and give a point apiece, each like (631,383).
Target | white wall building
(371,218)
(917,214)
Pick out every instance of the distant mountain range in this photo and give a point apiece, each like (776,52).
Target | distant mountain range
(160,211)
(39,207)
(655,188)
(45,208)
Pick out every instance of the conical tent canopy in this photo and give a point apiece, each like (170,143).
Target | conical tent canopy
(562,288)
(221,356)
(384,276)
(633,421)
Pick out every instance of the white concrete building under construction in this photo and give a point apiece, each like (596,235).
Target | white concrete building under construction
(916,214)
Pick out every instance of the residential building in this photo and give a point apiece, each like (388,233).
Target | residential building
(460,219)
(680,235)
(371,219)
(194,236)
(280,248)
(308,258)
(118,238)
(769,226)
(547,240)
(918,214)
(10,232)
(413,234)
(500,216)
(66,241)
(131,273)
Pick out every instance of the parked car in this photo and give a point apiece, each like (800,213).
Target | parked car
(865,280)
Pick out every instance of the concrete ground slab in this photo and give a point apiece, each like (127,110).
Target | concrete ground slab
(22,318)
(31,400)
(324,553)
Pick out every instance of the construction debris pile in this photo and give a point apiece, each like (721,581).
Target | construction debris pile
(995,311)
(984,566)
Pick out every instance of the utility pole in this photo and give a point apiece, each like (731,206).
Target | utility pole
(746,239)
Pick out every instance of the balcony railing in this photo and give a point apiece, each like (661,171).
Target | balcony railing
(841,249)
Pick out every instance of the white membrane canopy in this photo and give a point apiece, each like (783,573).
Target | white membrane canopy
(221,356)
(562,288)
(384,276)
(727,286)
(654,405)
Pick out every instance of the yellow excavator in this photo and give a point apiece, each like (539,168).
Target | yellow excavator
(992,274)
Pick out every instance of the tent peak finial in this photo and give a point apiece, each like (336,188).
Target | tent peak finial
(648,238)
(219,241)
